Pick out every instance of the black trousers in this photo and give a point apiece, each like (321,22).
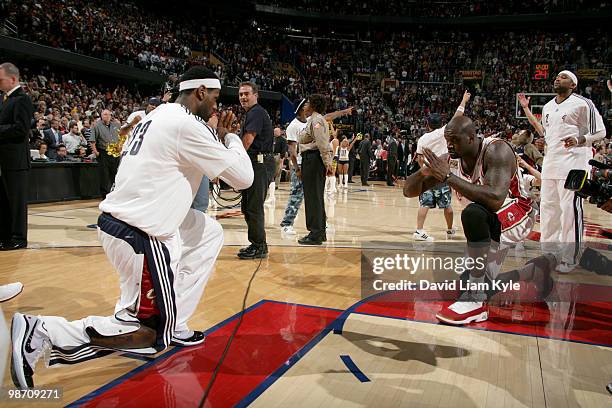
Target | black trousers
(108,171)
(14,206)
(253,198)
(313,179)
(364,170)
(351,168)
(391,169)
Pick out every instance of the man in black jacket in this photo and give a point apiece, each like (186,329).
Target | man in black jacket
(16,112)
(365,155)
(392,160)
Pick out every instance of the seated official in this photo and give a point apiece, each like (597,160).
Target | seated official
(42,152)
(62,154)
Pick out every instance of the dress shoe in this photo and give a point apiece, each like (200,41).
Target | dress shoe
(365,184)
(254,252)
(12,245)
(308,240)
(246,249)
(7,292)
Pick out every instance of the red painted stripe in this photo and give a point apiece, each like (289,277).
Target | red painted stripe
(585,321)
(268,337)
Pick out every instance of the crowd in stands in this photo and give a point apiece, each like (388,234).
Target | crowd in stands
(394,79)
(445,8)
(67,109)
(108,29)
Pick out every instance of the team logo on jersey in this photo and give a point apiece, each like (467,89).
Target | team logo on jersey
(510,217)
(151,294)
(563,118)
(546,119)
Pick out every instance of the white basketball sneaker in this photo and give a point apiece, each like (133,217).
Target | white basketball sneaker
(469,308)
(30,341)
(421,235)
(288,230)
(451,233)
(7,292)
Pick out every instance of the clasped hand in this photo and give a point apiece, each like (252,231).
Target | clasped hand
(435,166)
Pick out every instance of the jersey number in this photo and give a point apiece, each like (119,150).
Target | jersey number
(137,138)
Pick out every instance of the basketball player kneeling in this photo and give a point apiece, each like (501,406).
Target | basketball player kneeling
(163,251)
(498,216)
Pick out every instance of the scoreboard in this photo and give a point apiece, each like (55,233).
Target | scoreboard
(540,71)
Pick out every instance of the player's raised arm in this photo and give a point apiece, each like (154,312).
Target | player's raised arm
(524,101)
(333,115)
(461,108)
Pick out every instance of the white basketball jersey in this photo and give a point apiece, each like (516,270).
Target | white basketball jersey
(434,141)
(344,154)
(161,168)
(575,116)
(294,128)
(516,197)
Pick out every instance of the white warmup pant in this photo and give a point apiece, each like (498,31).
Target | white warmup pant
(179,268)
(561,221)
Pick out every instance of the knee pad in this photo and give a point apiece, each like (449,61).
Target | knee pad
(475,223)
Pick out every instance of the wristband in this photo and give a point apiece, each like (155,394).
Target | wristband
(450,173)
(461,109)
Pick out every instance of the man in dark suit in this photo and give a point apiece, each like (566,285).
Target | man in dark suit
(365,155)
(391,160)
(401,147)
(16,112)
(53,138)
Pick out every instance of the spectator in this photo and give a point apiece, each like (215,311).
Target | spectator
(104,133)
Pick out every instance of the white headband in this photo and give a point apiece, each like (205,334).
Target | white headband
(570,74)
(209,83)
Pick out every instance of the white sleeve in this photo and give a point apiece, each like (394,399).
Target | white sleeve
(292,134)
(239,176)
(594,128)
(133,115)
(419,149)
(199,147)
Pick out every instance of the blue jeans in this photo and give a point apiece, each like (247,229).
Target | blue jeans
(200,201)
(296,196)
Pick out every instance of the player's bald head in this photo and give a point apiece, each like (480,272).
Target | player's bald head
(462,126)
(460,134)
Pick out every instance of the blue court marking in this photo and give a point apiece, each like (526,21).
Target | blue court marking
(340,320)
(92,226)
(271,379)
(157,360)
(350,364)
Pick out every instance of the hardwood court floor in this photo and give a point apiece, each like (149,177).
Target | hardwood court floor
(66,273)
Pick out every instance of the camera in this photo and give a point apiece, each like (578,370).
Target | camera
(171,85)
(598,189)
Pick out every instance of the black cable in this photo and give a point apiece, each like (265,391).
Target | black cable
(230,340)
(237,198)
